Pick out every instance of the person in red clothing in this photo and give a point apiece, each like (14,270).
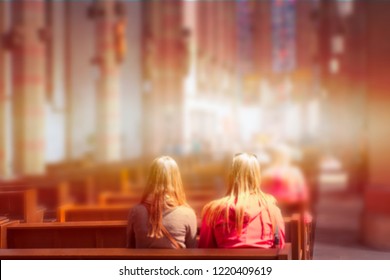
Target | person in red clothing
(246,217)
(286,182)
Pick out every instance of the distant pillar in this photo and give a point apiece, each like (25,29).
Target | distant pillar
(3,133)
(376,216)
(164,70)
(28,74)
(67,6)
(109,51)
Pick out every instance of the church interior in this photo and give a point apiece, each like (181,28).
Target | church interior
(92,91)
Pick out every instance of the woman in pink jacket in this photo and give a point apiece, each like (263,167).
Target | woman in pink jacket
(286,182)
(245,217)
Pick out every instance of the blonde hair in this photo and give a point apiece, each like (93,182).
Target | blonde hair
(244,181)
(164,189)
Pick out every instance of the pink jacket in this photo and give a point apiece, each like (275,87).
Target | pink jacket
(286,184)
(257,232)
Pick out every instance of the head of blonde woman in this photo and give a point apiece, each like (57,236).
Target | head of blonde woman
(244,183)
(164,189)
(245,176)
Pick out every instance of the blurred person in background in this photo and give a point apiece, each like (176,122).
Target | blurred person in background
(163,219)
(246,216)
(285,181)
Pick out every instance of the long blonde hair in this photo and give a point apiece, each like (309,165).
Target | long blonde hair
(164,189)
(244,181)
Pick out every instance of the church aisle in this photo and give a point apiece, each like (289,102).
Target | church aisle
(337,231)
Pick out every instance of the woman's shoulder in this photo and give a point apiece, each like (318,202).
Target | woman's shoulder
(185,210)
(183,214)
(138,209)
(272,204)
(223,201)
(270,199)
(217,208)
(217,203)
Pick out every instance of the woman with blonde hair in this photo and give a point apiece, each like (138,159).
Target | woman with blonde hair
(162,219)
(245,217)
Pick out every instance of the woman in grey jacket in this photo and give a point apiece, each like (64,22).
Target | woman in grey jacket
(163,219)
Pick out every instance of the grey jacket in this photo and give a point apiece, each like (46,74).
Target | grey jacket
(180,222)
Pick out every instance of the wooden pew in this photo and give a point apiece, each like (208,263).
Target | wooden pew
(115,198)
(305,229)
(101,234)
(108,201)
(196,199)
(78,213)
(4,223)
(21,205)
(50,192)
(80,186)
(148,254)
(88,183)
(295,233)
(131,198)
(294,236)
(67,235)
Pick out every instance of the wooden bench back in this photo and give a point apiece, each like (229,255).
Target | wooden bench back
(67,235)
(298,209)
(294,236)
(4,223)
(50,193)
(148,254)
(21,205)
(100,235)
(85,213)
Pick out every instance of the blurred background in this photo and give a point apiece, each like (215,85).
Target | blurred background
(92,91)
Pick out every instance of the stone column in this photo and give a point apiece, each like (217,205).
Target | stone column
(376,216)
(28,74)
(3,97)
(108,28)
(164,69)
(68,79)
